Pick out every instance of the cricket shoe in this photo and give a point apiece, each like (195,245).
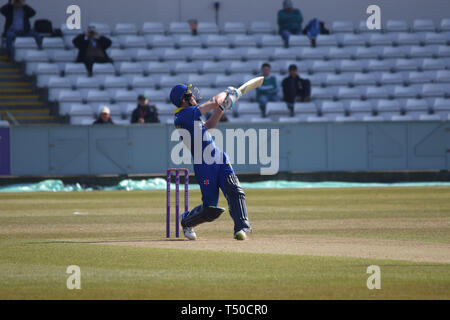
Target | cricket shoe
(189,233)
(242,234)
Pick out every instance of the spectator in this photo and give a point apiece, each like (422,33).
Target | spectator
(104,117)
(144,113)
(17,23)
(268,90)
(313,29)
(193,24)
(295,89)
(289,21)
(92,48)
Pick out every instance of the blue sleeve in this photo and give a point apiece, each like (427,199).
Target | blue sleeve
(197,113)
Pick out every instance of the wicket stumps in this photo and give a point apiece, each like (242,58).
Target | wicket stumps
(177,198)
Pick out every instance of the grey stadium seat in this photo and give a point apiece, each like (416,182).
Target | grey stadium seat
(364,79)
(132,41)
(144,54)
(160,41)
(391,78)
(414,77)
(349,39)
(429,38)
(242,40)
(213,67)
(186,67)
(155,95)
(339,53)
(323,93)
(404,38)
(207,28)
(255,53)
(270,40)
(420,25)
(396,26)
(125,96)
(399,117)
(342,79)
(276,109)
(360,109)
(347,65)
(332,108)
(59,55)
(285,54)
(366,53)
(431,117)
(234,80)
(342,26)
(432,64)
(412,91)
(66,95)
(443,76)
(188,41)
(445,25)
(441,106)
(387,108)
(35,56)
(299,41)
(381,65)
(350,93)
(416,107)
(326,40)
(393,52)
(152,28)
(52,43)
(406,65)
(432,90)
(379,39)
(96,96)
(234,28)
(167,81)
(153,67)
(313,53)
(119,55)
(179,28)
(103,69)
(139,81)
(419,52)
(199,54)
(216,40)
(261,27)
(247,108)
(204,80)
(376,92)
(125,29)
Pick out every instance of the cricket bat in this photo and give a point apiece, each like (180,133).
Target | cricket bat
(250,85)
(246,87)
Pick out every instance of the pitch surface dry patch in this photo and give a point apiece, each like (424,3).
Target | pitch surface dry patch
(416,251)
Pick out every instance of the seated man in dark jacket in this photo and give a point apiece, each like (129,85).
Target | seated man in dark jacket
(295,89)
(17,23)
(92,48)
(144,113)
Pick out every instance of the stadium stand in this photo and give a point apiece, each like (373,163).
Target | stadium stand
(399,73)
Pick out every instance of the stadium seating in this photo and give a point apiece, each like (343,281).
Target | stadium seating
(399,73)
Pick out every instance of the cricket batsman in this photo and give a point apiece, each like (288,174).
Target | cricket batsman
(212,176)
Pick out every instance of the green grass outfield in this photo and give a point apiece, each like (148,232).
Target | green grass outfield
(306,244)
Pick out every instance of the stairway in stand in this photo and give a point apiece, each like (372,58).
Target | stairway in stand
(18,98)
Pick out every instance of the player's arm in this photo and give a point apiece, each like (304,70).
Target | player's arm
(214,119)
(213,103)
